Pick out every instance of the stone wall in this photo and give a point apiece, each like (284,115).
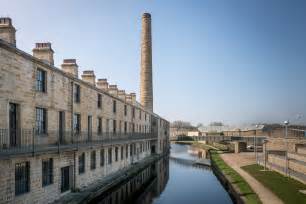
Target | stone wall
(49,193)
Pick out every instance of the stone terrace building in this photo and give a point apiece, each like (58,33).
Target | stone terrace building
(59,133)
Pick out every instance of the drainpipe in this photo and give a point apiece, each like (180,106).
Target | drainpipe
(72,137)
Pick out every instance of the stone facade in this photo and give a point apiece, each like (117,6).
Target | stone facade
(49,113)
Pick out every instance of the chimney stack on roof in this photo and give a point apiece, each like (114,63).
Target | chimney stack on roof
(89,77)
(113,90)
(7,31)
(43,51)
(102,84)
(121,94)
(70,67)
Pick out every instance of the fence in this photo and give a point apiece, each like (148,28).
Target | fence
(29,141)
(249,139)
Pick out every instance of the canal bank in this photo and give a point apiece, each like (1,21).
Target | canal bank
(160,179)
(95,190)
(237,187)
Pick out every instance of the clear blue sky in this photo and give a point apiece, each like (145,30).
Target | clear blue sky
(234,61)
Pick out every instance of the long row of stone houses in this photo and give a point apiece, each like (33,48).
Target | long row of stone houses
(60,133)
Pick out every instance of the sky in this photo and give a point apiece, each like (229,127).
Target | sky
(234,61)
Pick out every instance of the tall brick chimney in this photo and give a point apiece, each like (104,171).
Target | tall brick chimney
(7,31)
(146,86)
(70,66)
(44,52)
(89,77)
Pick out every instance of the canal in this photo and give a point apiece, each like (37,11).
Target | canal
(170,180)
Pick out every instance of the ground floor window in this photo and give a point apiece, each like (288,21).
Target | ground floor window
(47,172)
(102,157)
(82,163)
(65,179)
(22,178)
(116,154)
(93,160)
(109,155)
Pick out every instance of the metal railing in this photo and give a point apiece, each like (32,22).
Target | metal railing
(29,141)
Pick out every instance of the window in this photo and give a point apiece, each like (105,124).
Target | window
(133,127)
(145,117)
(139,114)
(109,155)
(47,172)
(82,163)
(99,126)
(41,121)
(131,150)
(22,178)
(121,152)
(127,151)
(41,80)
(133,112)
(77,93)
(116,153)
(125,110)
(102,157)
(93,160)
(114,126)
(114,106)
(125,127)
(99,101)
(77,123)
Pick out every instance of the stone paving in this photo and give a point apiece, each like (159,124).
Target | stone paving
(247,158)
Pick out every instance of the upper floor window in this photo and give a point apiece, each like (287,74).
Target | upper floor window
(41,77)
(77,93)
(47,172)
(114,106)
(125,110)
(114,126)
(82,163)
(139,114)
(145,117)
(133,112)
(99,125)
(99,104)
(22,178)
(125,127)
(77,123)
(41,121)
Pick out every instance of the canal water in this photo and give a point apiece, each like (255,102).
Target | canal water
(171,180)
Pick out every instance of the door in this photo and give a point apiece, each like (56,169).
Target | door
(61,127)
(89,125)
(13,125)
(65,179)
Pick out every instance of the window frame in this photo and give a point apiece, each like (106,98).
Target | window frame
(93,160)
(22,178)
(41,80)
(82,165)
(47,172)
(41,121)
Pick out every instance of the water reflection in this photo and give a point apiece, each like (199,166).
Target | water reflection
(185,183)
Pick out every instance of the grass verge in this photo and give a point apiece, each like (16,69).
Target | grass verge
(287,189)
(235,179)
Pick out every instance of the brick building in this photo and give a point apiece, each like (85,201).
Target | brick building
(59,132)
